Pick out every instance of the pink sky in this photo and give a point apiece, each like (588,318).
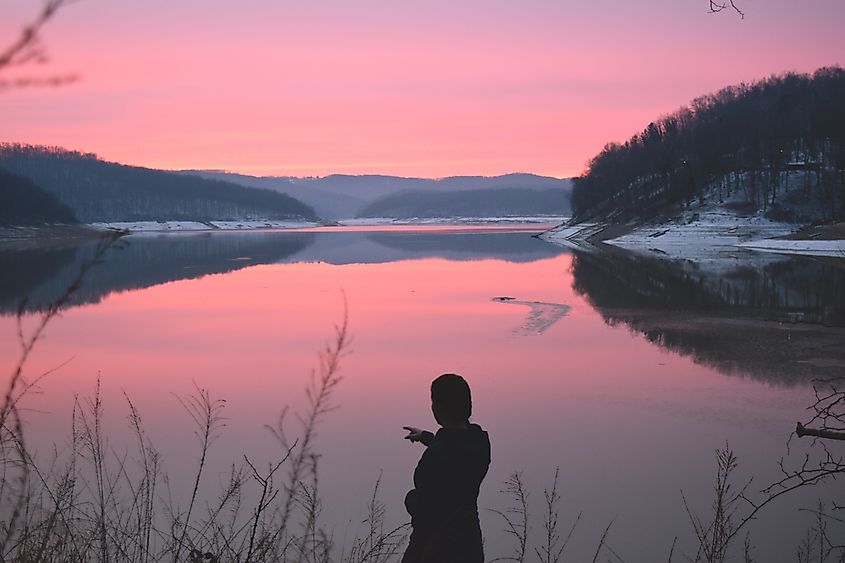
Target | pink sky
(417,88)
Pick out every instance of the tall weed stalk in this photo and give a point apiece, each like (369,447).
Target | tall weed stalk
(92,501)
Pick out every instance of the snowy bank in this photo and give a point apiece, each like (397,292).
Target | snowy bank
(532,219)
(713,233)
(574,236)
(703,234)
(170,226)
(835,248)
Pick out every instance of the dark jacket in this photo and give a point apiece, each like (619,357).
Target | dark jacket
(444,503)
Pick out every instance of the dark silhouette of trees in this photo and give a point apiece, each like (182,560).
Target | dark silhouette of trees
(105,191)
(748,138)
(22,203)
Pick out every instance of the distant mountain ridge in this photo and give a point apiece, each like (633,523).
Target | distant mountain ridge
(487,202)
(100,191)
(342,196)
(97,191)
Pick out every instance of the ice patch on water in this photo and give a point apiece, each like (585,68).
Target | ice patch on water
(541,316)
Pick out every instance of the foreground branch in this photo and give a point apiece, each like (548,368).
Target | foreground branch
(717,6)
(26,47)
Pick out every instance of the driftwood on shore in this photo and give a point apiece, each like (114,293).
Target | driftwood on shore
(802,431)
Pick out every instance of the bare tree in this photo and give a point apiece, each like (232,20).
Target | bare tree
(828,420)
(27,48)
(823,462)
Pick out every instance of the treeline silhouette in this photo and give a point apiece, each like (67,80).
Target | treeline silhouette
(96,190)
(777,145)
(487,202)
(22,203)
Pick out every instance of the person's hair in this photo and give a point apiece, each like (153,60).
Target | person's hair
(451,392)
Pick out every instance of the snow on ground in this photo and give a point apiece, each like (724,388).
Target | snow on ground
(835,248)
(151,226)
(572,236)
(711,233)
(234,225)
(368,221)
(707,233)
(365,222)
(166,226)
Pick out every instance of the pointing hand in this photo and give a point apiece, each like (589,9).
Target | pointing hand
(414,434)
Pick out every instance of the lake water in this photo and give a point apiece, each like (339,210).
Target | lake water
(624,372)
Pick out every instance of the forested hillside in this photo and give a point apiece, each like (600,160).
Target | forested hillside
(777,145)
(104,191)
(22,203)
(488,202)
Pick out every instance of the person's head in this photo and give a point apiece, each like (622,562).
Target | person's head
(451,401)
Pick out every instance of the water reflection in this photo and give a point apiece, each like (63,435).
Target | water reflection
(775,318)
(140,261)
(27,269)
(41,275)
(466,246)
(628,423)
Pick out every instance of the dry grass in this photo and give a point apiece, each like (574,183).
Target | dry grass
(95,502)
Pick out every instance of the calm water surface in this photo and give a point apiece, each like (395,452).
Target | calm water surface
(625,373)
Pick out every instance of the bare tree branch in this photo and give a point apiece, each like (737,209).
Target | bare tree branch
(27,48)
(718,6)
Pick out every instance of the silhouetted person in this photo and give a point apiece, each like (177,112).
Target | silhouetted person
(444,503)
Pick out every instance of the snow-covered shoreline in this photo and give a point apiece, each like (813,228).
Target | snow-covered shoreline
(833,248)
(178,226)
(375,221)
(705,234)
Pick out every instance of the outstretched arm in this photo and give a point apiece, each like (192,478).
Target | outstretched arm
(418,435)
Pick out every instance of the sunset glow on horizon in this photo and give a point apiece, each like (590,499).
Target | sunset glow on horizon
(428,89)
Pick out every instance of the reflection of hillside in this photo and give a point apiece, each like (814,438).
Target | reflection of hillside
(513,247)
(138,262)
(25,270)
(781,321)
(145,260)
(379,247)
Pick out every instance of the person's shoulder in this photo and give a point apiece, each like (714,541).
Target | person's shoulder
(477,428)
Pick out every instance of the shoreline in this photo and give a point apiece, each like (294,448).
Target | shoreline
(53,235)
(199,226)
(72,234)
(705,234)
